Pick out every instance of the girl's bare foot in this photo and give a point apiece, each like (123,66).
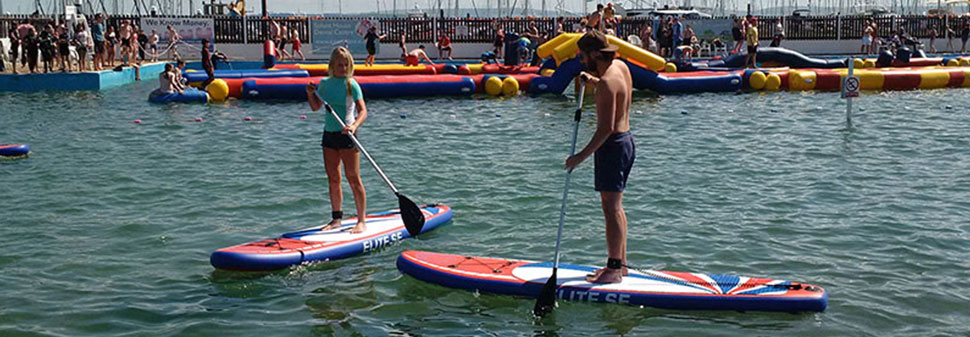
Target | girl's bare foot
(360,228)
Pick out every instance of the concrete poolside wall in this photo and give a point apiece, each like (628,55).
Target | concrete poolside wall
(89,80)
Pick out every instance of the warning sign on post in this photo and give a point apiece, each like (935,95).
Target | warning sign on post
(850,88)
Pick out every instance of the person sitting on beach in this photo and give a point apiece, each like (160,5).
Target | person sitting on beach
(343,94)
(444,45)
(415,56)
(372,38)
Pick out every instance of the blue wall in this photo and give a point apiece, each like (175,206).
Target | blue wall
(77,81)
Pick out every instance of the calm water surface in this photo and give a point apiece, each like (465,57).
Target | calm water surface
(107,228)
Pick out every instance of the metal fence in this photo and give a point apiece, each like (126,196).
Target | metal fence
(483,30)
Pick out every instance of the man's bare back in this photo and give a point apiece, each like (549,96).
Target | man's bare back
(618,83)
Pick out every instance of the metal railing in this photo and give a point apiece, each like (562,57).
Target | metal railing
(482,30)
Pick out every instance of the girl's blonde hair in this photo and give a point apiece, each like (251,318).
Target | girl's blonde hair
(342,53)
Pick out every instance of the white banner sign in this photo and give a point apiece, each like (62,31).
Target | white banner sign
(190,29)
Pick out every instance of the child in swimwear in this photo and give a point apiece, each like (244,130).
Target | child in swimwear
(344,95)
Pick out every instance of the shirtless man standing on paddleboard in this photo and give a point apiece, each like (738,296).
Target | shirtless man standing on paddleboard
(612,144)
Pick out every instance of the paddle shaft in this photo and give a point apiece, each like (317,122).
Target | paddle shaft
(565,190)
(360,147)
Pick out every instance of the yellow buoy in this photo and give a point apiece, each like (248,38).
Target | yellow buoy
(548,72)
(964,62)
(870,64)
(510,86)
(953,63)
(670,68)
(493,86)
(218,90)
(757,80)
(859,63)
(773,82)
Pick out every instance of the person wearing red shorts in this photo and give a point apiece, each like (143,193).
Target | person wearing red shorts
(415,56)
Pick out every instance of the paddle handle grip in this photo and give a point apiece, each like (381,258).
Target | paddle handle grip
(357,144)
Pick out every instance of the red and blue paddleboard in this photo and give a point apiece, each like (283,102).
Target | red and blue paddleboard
(653,288)
(313,244)
(14,150)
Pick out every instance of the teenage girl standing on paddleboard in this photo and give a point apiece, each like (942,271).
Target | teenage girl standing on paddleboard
(343,93)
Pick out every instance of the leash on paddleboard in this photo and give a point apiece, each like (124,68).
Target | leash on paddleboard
(410,212)
(547,297)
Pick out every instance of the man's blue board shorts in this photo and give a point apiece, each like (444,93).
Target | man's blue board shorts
(613,161)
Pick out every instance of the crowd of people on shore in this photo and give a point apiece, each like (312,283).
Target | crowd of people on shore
(76,45)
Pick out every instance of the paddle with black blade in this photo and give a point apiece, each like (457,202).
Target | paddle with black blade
(547,297)
(410,213)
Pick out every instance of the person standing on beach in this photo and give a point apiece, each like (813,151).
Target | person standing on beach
(612,145)
(124,33)
(444,45)
(866,47)
(343,94)
(284,36)
(173,39)
(964,35)
(81,46)
(371,38)
(295,42)
(153,45)
(97,34)
(933,34)
(63,47)
(751,35)
(47,48)
(738,33)
(499,37)
(874,45)
(274,34)
(14,49)
(110,43)
(403,45)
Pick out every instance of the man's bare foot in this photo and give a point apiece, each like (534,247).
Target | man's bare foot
(606,275)
(334,224)
(360,228)
(598,271)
